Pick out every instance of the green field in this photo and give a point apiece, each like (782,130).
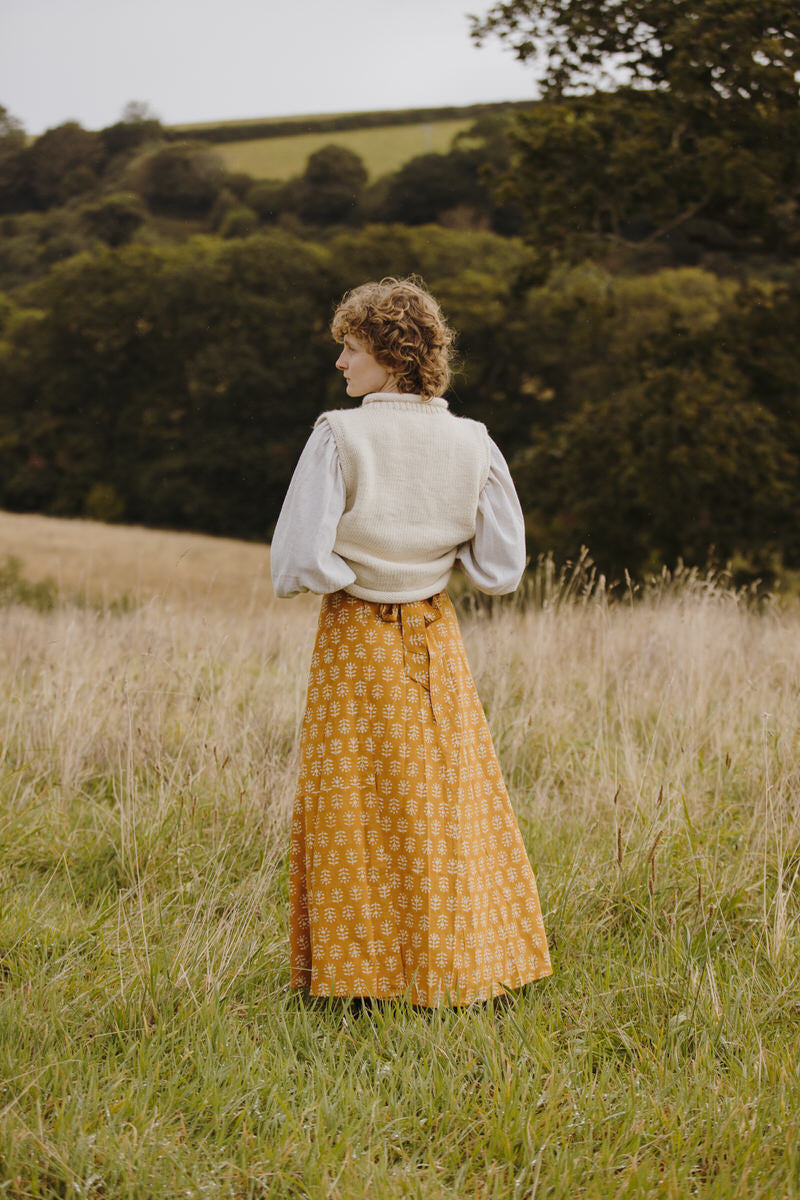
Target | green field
(383,149)
(150,1046)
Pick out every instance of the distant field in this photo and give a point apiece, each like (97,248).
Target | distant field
(109,562)
(383,149)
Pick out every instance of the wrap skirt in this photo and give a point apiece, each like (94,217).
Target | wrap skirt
(408,873)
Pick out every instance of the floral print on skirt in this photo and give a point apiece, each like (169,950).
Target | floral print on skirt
(408,873)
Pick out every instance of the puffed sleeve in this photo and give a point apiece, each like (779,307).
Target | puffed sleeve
(495,558)
(302,558)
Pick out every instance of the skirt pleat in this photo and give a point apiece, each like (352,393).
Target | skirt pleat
(408,873)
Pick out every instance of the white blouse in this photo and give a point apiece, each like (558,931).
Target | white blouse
(302,558)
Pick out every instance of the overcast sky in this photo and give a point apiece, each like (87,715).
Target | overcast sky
(199,60)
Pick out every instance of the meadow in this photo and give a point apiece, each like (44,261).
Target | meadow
(150,1045)
(383,149)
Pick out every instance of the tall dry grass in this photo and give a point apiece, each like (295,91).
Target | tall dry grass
(149,1043)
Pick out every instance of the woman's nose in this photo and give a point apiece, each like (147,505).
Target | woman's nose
(340,362)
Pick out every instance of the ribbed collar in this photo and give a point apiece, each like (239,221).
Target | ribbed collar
(406,397)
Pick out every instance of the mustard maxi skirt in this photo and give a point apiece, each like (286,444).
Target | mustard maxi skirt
(408,873)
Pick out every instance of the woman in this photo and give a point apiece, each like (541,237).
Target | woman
(408,872)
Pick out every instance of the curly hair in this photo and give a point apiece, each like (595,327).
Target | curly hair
(403,328)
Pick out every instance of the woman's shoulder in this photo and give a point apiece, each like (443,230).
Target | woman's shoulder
(470,422)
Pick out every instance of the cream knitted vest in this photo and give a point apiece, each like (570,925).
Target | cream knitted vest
(413,474)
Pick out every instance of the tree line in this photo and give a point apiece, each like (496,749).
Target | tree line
(274,127)
(620,262)
(648,417)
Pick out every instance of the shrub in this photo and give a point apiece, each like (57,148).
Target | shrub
(239,222)
(181,180)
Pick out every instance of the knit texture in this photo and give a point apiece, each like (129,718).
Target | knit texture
(414,474)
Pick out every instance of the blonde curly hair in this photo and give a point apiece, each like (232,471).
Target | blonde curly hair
(403,328)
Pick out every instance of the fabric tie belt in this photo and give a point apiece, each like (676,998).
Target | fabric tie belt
(414,617)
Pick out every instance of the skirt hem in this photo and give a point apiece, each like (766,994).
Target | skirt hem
(482,995)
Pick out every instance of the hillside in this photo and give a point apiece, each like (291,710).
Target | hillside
(383,149)
(278,147)
(112,562)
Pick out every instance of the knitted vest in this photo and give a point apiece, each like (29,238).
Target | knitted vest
(413,474)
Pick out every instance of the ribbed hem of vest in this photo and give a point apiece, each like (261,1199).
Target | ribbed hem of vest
(395,597)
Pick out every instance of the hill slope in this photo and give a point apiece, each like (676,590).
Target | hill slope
(107,562)
(383,150)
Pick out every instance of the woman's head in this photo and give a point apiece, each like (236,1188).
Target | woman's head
(401,326)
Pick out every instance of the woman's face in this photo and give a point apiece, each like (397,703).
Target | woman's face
(363,372)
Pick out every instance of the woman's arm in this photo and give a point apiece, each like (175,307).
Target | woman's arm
(495,558)
(302,558)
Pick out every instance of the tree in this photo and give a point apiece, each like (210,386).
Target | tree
(427,186)
(138,126)
(611,167)
(139,112)
(16,192)
(678,465)
(182,179)
(332,186)
(267,198)
(114,218)
(664,418)
(169,372)
(12,131)
(700,129)
(747,52)
(64,162)
(239,222)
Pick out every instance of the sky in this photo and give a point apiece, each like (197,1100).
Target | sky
(205,60)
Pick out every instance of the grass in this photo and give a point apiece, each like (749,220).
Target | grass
(383,150)
(149,1043)
(109,562)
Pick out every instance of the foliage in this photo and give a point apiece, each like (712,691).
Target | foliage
(114,218)
(452,187)
(627,166)
(166,371)
(672,452)
(104,503)
(652,418)
(180,180)
(437,254)
(31,243)
(125,137)
(16,589)
(224,202)
(15,189)
(12,131)
(267,198)
(711,50)
(708,127)
(429,186)
(239,221)
(649,412)
(66,161)
(330,190)
(63,162)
